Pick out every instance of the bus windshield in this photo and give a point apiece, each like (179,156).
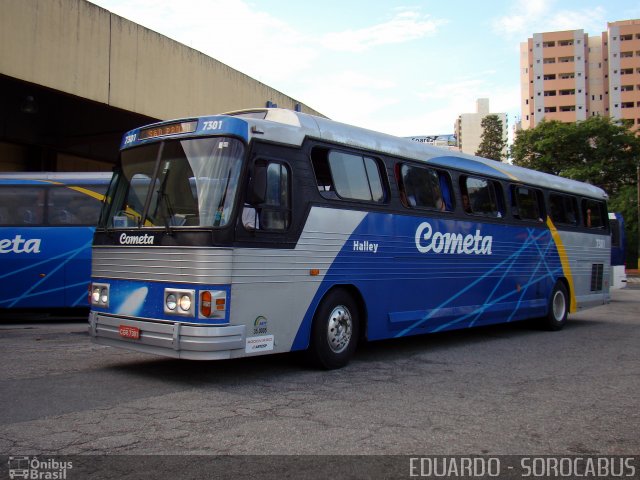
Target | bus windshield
(177,183)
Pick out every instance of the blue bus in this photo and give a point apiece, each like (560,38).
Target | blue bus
(618,251)
(267,231)
(46,229)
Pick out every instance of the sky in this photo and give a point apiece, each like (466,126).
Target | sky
(401,67)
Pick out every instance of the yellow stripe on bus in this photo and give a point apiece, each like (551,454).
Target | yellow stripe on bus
(504,172)
(564,260)
(86,191)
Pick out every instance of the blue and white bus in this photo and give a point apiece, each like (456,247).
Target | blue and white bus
(270,231)
(618,251)
(47,222)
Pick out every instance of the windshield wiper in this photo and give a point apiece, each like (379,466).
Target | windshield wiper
(164,198)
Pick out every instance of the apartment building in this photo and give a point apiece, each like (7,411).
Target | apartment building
(569,76)
(468,127)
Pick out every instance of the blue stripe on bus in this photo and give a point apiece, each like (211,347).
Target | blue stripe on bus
(55,276)
(441,291)
(139,298)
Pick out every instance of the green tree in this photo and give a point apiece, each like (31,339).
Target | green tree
(492,142)
(550,147)
(600,151)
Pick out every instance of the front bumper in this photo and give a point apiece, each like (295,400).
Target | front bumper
(169,339)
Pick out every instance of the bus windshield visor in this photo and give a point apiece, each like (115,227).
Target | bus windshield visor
(179,183)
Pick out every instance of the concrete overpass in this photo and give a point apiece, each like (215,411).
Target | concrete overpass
(74,77)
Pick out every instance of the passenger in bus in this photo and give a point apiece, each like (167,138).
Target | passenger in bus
(5,218)
(465,203)
(250,218)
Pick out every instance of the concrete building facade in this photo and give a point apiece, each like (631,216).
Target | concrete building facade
(569,76)
(468,127)
(74,77)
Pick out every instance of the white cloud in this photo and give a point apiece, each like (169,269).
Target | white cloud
(532,16)
(350,96)
(405,26)
(592,21)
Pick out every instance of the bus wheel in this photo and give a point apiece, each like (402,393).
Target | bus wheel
(558,308)
(334,334)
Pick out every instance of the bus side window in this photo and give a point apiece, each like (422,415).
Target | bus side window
(422,187)
(481,196)
(348,176)
(23,205)
(593,214)
(526,203)
(563,209)
(322,172)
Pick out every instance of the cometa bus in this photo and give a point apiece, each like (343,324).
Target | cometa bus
(268,231)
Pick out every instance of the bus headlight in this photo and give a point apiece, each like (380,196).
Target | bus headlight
(179,302)
(100,295)
(171,303)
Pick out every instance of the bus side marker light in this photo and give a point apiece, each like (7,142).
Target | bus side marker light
(314,272)
(213,303)
(205,303)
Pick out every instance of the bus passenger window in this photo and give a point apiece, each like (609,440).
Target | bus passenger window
(22,205)
(348,176)
(424,188)
(563,209)
(527,203)
(481,197)
(71,207)
(593,214)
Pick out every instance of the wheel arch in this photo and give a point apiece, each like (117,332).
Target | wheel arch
(570,294)
(355,293)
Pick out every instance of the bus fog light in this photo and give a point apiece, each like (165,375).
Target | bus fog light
(185,303)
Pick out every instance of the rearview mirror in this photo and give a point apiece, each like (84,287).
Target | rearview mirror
(258,186)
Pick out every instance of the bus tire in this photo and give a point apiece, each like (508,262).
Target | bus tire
(335,330)
(558,308)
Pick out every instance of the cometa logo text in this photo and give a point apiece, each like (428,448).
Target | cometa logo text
(438,242)
(136,239)
(20,245)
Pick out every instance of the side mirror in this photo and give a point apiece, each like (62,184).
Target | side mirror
(258,185)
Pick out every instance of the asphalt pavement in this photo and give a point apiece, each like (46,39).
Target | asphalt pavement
(507,389)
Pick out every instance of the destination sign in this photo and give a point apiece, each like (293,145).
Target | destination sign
(168,129)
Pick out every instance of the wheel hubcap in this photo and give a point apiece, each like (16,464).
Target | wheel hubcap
(559,306)
(339,329)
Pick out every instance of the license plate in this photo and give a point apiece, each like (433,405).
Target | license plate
(129,332)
